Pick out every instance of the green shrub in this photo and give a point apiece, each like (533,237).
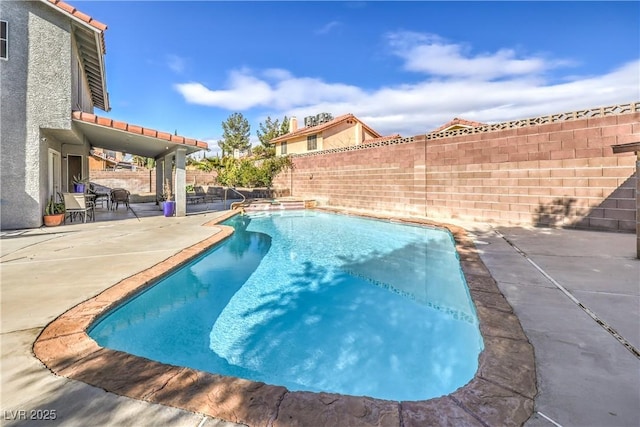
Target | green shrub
(53,207)
(251,173)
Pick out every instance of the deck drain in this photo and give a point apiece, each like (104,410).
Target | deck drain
(586,309)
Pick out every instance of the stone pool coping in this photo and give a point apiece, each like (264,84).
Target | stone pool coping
(501,393)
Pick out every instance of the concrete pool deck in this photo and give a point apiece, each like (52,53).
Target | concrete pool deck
(586,377)
(48,271)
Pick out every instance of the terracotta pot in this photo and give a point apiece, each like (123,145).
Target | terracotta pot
(53,220)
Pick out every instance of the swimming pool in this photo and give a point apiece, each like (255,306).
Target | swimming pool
(313,301)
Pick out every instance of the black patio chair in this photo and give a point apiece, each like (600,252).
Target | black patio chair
(119,195)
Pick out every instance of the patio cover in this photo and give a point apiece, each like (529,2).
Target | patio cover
(133,139)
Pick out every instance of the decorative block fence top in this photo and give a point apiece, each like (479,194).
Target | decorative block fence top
(613,110)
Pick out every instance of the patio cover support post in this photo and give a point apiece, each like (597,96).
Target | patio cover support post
(638,204)
(180,189)
(159,175)
(633,147)
(167,176)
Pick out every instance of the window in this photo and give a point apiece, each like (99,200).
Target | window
(312,142)
(283,148)
(4,39)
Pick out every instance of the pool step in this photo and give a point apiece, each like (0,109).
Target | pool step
(275,205)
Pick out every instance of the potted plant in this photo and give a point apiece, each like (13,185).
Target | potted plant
(168,206)
(79,184)
(53,213)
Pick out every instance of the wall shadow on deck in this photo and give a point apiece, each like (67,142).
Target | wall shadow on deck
(617,212)
(554,214)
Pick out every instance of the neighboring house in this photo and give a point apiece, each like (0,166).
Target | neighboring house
(322,132)
(382,139)
(102,159)
(456,124)
(52,75)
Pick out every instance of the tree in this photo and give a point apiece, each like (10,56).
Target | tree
(284,127)
(270,168)
(224,148)
(190,161)
(208,164)
(250,173)
(272,129)
(235,135)
(145,162)
(268,130)
(262,152)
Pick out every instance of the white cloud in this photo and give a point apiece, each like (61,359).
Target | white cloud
(328,27)
(176,63)
(244,91)
(504,88)
(277,74)
(427,105)
(294,92)
(429,53)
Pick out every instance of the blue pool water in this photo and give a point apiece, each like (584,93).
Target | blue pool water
(313,301)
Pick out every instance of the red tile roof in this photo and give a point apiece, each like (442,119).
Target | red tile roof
(458,122)
(72,11)
(319,128)
(139,130)
(382,138)
(75,12)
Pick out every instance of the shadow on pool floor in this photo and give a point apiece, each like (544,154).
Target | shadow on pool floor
(501,392)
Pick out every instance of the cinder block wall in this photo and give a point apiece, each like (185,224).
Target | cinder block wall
(387,179)
(557,174)
(143,181)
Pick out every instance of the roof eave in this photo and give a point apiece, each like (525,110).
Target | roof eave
(97,81)
(373,132)
(103,73)
(100,100)
(90,23)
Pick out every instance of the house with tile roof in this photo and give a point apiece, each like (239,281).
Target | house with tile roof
(323,132)
(382,139)
(101,159)
(457,123)
(52,76)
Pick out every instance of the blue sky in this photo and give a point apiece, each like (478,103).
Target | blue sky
(401,67)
